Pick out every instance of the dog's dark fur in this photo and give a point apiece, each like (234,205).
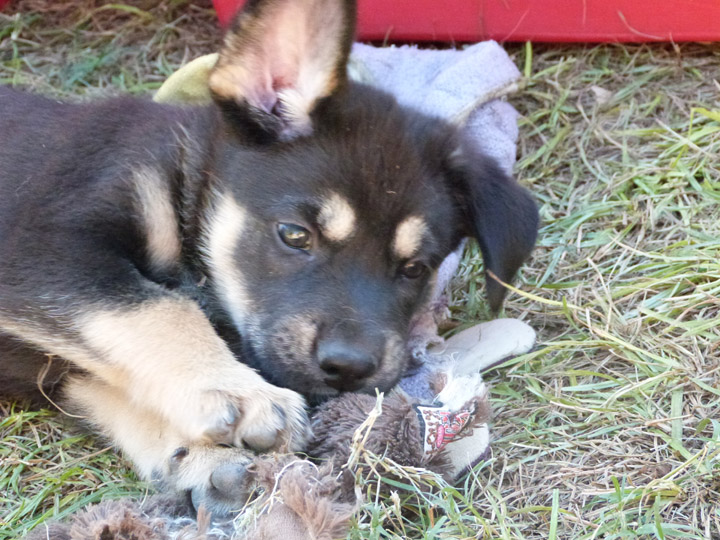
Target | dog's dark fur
(133,234)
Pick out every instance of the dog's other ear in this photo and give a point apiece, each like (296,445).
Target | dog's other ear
(497,211)
(279,58)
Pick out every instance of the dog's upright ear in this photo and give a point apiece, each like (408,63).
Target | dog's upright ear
(497,211)
(278,60)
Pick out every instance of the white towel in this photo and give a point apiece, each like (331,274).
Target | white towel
(461,86)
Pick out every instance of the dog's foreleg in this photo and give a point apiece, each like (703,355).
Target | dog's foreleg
(165,355)
(214,476)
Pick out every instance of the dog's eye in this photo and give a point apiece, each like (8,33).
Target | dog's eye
(412,269)
(294,236)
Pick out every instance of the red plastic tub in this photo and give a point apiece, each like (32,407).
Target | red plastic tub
(535,20)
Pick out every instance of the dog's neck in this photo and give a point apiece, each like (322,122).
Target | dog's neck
(196,191)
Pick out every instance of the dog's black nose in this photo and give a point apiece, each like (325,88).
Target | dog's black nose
(346,364)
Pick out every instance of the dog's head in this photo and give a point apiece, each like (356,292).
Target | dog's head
(335,205)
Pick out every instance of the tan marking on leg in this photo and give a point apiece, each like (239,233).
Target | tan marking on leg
(408,236)
(219,246)
(54,343)
(145,437)
(162,229)
(148,440)
(336,218)
(176,365)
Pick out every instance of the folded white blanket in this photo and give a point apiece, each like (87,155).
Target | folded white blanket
(461,86)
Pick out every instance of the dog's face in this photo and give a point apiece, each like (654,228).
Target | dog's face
(332,214)
(341,235)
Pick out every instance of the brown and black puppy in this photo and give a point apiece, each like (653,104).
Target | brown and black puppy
(190,272)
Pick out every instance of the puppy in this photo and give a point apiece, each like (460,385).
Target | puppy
(184,275)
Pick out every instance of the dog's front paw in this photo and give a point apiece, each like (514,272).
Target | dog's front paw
(272,418)
(215,478)
(237,407)
(258,416)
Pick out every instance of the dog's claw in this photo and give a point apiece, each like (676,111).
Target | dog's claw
(179,454)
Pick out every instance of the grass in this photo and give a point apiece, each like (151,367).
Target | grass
(610,428)
(49,469)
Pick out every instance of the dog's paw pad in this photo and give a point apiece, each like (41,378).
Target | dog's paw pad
(226,491)
(215,477)
(229,479)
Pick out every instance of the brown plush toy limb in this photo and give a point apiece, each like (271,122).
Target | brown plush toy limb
(300,501)
(160,518)
(395,433)
(297,501)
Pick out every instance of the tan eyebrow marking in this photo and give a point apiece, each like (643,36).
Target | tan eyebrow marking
(408,236)
(336,218)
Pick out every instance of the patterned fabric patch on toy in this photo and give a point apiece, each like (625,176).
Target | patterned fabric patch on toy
(439,427)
